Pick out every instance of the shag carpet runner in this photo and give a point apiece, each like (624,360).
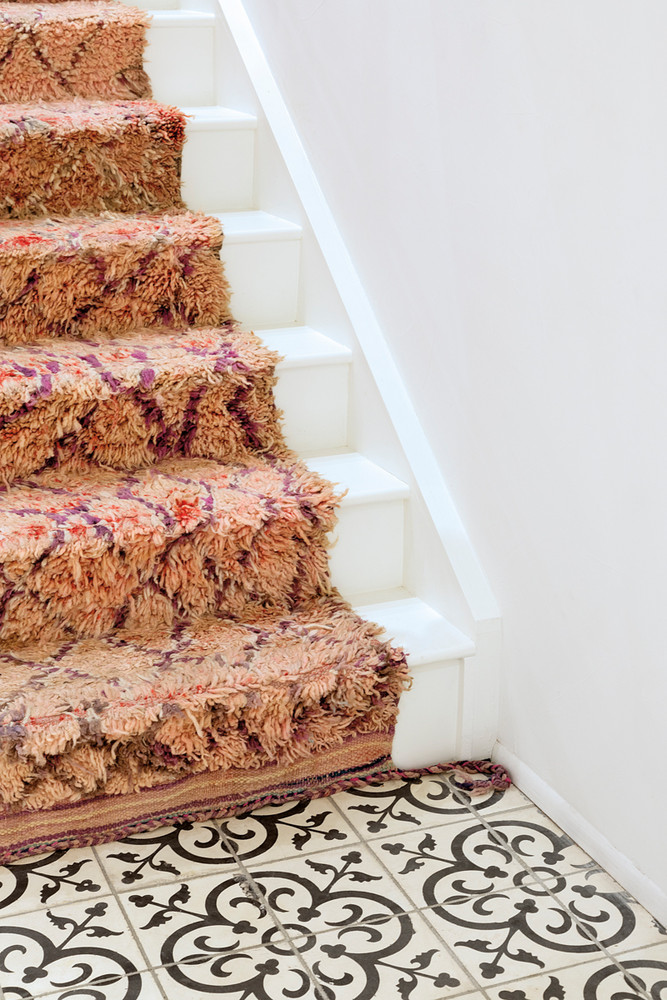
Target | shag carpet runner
(171,646)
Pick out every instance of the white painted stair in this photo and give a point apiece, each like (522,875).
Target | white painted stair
(281,290)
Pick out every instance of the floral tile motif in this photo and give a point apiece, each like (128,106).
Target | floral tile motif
(600,979)
(503,936)
(287,830)
(407,804)
(475,858)
(50,879)
(140,986)
(200,922)
(400,957)
(449,863)
(83,946)
(608,913)
(178,852)
(331,889)
(273,973)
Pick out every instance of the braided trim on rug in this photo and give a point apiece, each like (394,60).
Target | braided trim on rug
(376,771)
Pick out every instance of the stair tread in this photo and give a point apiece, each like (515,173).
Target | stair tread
(205,117)
(180,18)
(72,49)
(129,401)
(254,224)
(85,550)
(132,152)
(364,480)
(123,272)
(425,634)
(266,687)
(302,345)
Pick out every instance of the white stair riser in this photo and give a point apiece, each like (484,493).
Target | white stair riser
(217,170)
(314,401)
(264,277)
(180,62)
(368,550)
(428,727)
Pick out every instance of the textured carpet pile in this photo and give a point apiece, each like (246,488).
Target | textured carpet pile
(170,642)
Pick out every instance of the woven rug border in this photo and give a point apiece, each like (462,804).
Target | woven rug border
(205,796)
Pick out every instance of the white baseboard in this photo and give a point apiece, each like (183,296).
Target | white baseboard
(585,834)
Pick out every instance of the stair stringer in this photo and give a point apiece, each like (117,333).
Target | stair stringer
(441,566)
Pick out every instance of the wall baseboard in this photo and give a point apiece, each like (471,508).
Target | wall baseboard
(585,834)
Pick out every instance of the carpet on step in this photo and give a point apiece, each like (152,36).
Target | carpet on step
(51,52)
(103,275)
(138,709)
(82,553)
(70,157)
(131,401)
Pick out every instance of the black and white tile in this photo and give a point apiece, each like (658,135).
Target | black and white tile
(287,830)
(401,957)
(50,880)
(181,851)
(331,889)
(506,935)
(408,804)
(80,947)
(201,922)
(273,973)
(641,975)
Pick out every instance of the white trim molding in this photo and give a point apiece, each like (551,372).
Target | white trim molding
(584,834)
(429,479)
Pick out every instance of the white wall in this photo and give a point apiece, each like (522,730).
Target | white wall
(498,169)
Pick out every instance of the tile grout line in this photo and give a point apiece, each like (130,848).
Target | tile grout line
(418,909)
(126,916)
(273,915)
(580,926)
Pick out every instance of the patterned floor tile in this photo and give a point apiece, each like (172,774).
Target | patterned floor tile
(609,913)
(403,805)
(595,980)
(179,852)
(506,935)
(50,879)
(273,973)
(491,800)
(82,945)
(446,863)
(140,986)
(288,830)
(330,889)
(201,921)
(401,957)
(648,967)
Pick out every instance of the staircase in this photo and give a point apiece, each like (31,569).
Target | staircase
(388,559)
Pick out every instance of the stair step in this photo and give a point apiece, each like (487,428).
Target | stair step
(111,268)
(367,552)
(132,152)
(127,402)
(312,389)
(176,697)
(180,56)
(60,51)
(420,629)
(218,159)
(428,729)
(261,253)
(84,552)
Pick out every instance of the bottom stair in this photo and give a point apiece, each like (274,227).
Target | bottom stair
(217,714)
